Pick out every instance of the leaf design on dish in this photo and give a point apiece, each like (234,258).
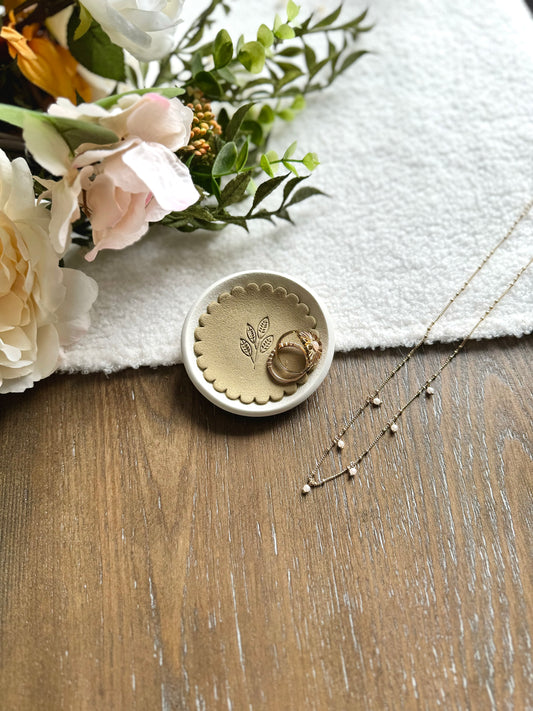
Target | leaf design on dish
(267,342)
(257,342)
(263,326)
(246,348)
(250,332)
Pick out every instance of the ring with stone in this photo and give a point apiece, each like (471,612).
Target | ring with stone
(291,359)
(310,341)
(312,345)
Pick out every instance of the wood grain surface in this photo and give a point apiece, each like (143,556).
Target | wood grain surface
(156,553)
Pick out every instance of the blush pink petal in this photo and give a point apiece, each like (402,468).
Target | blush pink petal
(168,123)
(152,118)
(105,204)
(124,186)
(154,212)
(164,174)
(128,230)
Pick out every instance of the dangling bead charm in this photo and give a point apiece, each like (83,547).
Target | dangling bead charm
(430,391)
(352,471)
(306,489)
(376,402)
(340,444)
(394,427)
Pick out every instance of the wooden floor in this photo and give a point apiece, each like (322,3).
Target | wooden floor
(156,553)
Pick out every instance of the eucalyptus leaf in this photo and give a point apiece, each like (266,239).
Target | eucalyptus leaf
(292,10)
(254,130)
(329,19)
(290,52)
(299,103)
(197,64)
(310,57)
(261,215)
(236,220)
(266,115)
(252,56)
(265,165)
(208,84)
(265,189)
(242,156)
(286,114)
(223,49)
(198,212)
(290,185)
(310,160)
(272,156)
(223,120)
(290,150)
(289,76)
(289,166)
(235,190)
(236,121)
(283,214)
(317,67)
(265,36)
(284,32)
(287,67)
(225,160)
(303,194)
(227,75)
(351,59)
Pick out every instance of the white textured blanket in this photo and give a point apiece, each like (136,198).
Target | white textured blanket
(426,148)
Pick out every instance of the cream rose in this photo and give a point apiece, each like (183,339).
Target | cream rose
(120,187)
(42,306)
(145,28)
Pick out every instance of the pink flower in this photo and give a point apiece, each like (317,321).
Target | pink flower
(120,187)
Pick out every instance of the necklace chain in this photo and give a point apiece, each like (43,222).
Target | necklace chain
(314,479)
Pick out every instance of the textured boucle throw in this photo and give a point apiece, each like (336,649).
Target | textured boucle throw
(426,149)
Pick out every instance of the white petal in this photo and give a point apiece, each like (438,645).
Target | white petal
(22,198)
(73,315)
(65,209)
(46,146)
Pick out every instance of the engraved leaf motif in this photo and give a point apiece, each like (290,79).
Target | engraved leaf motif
(246,348)
(250,332)
(263,327)
(266,343)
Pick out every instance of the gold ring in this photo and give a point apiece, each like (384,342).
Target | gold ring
(312,344)
(279,371)
(308,345)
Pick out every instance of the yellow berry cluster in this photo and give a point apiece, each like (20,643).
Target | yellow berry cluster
(204,125)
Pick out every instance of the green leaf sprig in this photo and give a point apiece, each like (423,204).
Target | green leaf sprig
(238,88)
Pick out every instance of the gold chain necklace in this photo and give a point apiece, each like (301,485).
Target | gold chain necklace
(314,480)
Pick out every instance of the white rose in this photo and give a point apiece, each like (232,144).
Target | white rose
(42,306)
(146,28)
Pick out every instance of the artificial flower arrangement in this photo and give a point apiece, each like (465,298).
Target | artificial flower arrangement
(127,119)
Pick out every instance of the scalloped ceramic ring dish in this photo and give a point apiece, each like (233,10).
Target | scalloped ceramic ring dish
(231,333)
